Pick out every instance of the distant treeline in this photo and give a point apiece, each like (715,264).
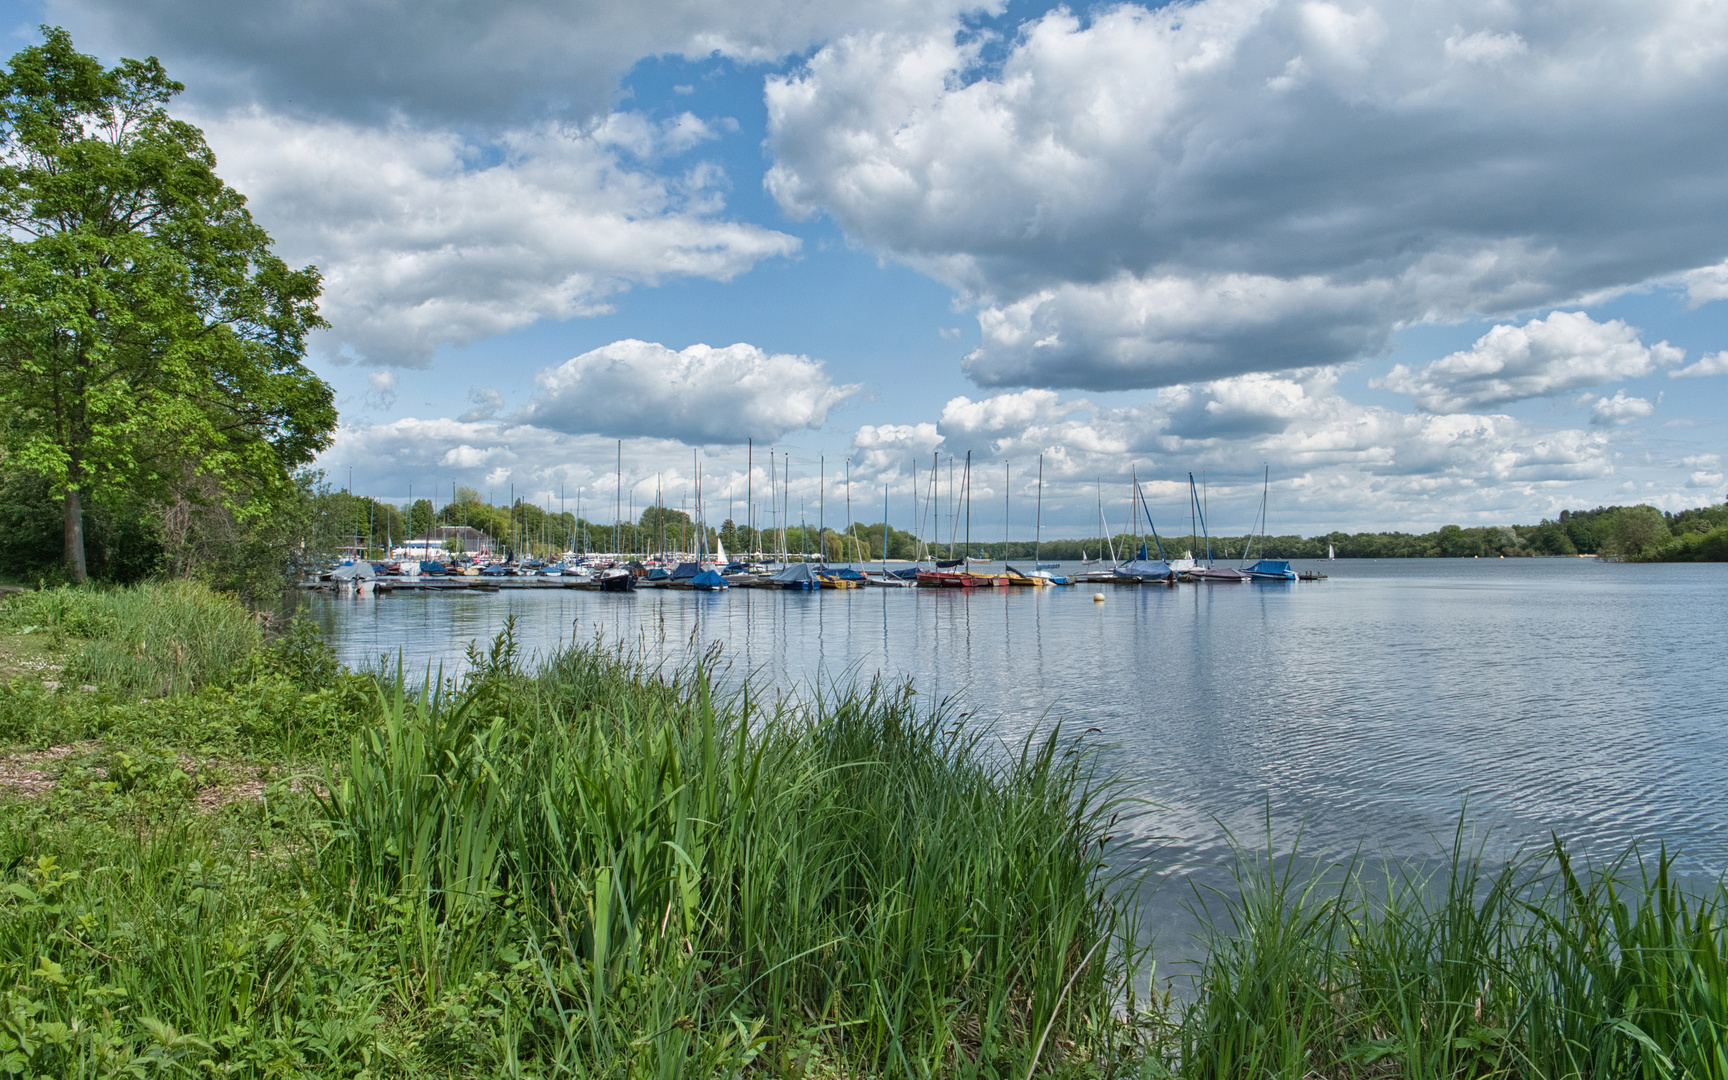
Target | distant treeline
(130,539)
(1630,532)
(1627,532)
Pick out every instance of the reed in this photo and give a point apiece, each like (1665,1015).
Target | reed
(1541,969)
(157,638)
(708,873)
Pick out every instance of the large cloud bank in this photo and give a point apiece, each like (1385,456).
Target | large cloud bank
(454,59)
(1146,197)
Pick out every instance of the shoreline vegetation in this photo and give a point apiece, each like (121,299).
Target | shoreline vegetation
(313,525)
(225,854)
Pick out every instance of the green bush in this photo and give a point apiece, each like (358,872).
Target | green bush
(1711,546)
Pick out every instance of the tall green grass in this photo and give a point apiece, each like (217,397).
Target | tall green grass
(713,878)
(1541,969)
(157,638)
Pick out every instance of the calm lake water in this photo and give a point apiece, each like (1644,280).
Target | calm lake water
(1549,695)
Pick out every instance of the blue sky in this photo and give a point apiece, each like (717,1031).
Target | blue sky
(1457,264)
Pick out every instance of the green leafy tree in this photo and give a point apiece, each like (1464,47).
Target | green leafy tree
(1632,529)
(150,339)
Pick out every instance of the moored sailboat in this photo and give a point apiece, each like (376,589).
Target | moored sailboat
(1212,575)
(1266,569)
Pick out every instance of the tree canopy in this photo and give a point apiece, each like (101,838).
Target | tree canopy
(150,338)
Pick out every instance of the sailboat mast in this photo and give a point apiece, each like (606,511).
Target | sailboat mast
(953,513)
(1207,533)
(1193,529)
(1005,483)
(1133,498)
(1038,516)
(1104,526)
(1265,491)
(966,495)
(1150,524)
(930,506)
(1205,506)
(917,530)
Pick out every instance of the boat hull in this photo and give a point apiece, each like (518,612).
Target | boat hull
(1212,575)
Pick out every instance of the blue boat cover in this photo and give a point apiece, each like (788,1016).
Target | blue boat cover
(846,573)
(658,574)
(685,570)
(908,574)
(432,566)
(1147,569)
(1273,568)
(708,579)
(497,569)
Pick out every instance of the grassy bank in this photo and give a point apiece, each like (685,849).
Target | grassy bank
(232,857)
(588,869)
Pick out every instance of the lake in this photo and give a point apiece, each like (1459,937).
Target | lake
(1565,696)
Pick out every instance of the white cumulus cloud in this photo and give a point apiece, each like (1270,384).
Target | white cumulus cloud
(890,448)
(1565,351)
(383,392)
(1483,47)
(1705,284)
(697,395)
(1620,409)
(1715,363)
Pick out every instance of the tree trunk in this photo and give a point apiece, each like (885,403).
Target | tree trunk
(75,536)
